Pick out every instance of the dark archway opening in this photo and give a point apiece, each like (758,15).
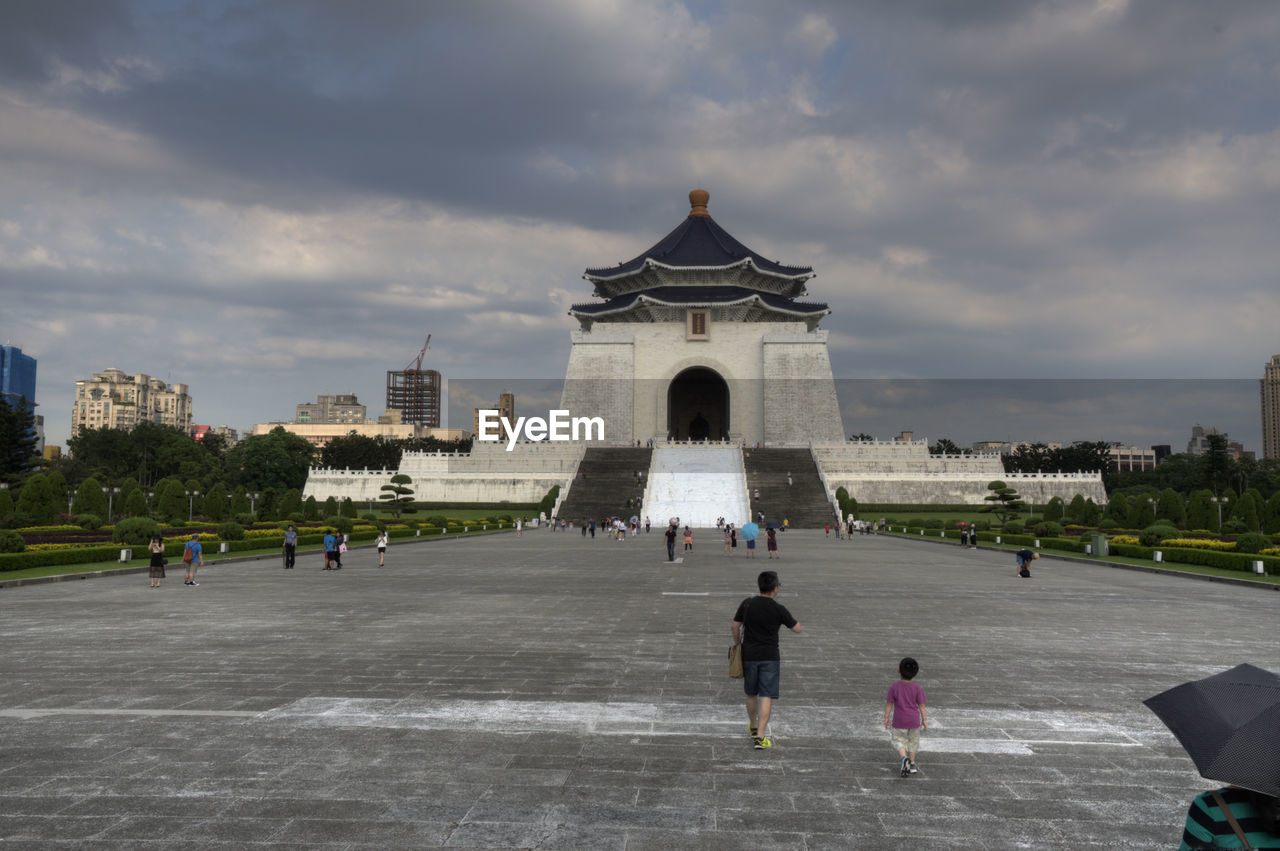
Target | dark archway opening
(698,405)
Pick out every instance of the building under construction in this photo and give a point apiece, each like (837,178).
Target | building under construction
(416,394)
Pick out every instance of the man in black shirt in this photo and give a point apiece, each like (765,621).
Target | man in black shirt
(761,663)
(671,542)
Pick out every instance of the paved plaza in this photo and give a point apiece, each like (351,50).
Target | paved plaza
(553,691)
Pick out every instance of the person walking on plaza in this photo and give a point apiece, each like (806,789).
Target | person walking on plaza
(330,549)
(519,526)
(688,539)
(156,572)
(381,543)
(290,547)
(728,539)
(904,709)
(772,543)
(671,542)
(193,557)
(755,626)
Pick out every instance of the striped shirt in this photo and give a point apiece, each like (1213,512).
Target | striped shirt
(1207,827)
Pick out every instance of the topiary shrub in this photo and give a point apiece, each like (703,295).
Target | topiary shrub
(229,532)
(297,517)
(371,517)
(1049,529)
(135,531)
(981,525)
(342,524)
(916,522)
(11,542)
(18,520)
(437,520)
(88,522)
(1234,527)
(1013,527)
(933,523)
(1252,543)
(1153,535)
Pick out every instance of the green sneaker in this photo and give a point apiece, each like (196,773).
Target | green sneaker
(762,743)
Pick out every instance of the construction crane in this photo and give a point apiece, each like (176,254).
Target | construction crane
(416,363)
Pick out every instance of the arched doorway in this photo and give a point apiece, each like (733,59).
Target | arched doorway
(698,405)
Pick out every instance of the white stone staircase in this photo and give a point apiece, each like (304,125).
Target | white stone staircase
(697,483)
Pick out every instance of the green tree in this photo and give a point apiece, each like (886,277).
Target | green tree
(1201,512)
(1117,513)
(330,507)
(6,503)
(348,508)
(1171,508)
(1245,510)
(1004,501)
(215,502)
(1075,509)
(277,459)
(240,502)
(310,509)
(1270,520)
(290,503)
(90,499)
(397,494)
(135,502)
(37,501)
(357,452)
(170,501)
(1216,462)
(1056,510)
(944,447)
(17,440)
(1092,513)
(1142,512)
(268,506)
(58,487)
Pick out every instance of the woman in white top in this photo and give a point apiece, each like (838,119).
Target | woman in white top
(382,547)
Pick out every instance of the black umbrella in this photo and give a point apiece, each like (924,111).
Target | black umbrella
(1229,724)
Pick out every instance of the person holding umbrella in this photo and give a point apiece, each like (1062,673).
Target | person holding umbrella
(1229,725)
(749,533)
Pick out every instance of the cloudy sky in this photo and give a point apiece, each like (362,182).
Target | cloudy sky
(270,201)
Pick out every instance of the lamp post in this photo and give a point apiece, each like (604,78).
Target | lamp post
(191,501)
(1219,500)
(1151,502)
(111,496)
(70,497)
(253,503)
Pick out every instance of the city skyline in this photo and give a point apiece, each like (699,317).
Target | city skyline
(270,203)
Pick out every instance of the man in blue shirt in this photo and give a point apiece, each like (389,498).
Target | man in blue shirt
(193,556)
(290,547)
(330,549)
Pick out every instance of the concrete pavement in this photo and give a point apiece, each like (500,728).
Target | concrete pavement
(555,692)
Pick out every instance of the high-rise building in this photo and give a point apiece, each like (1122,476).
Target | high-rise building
(506,407)
(343,408)
(415,393)
(17,377)
(1271,408)
(113,399)
(18,385)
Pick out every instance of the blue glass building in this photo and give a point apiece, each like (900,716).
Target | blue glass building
(17,377)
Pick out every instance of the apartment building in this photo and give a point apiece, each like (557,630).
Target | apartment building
(115,399)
